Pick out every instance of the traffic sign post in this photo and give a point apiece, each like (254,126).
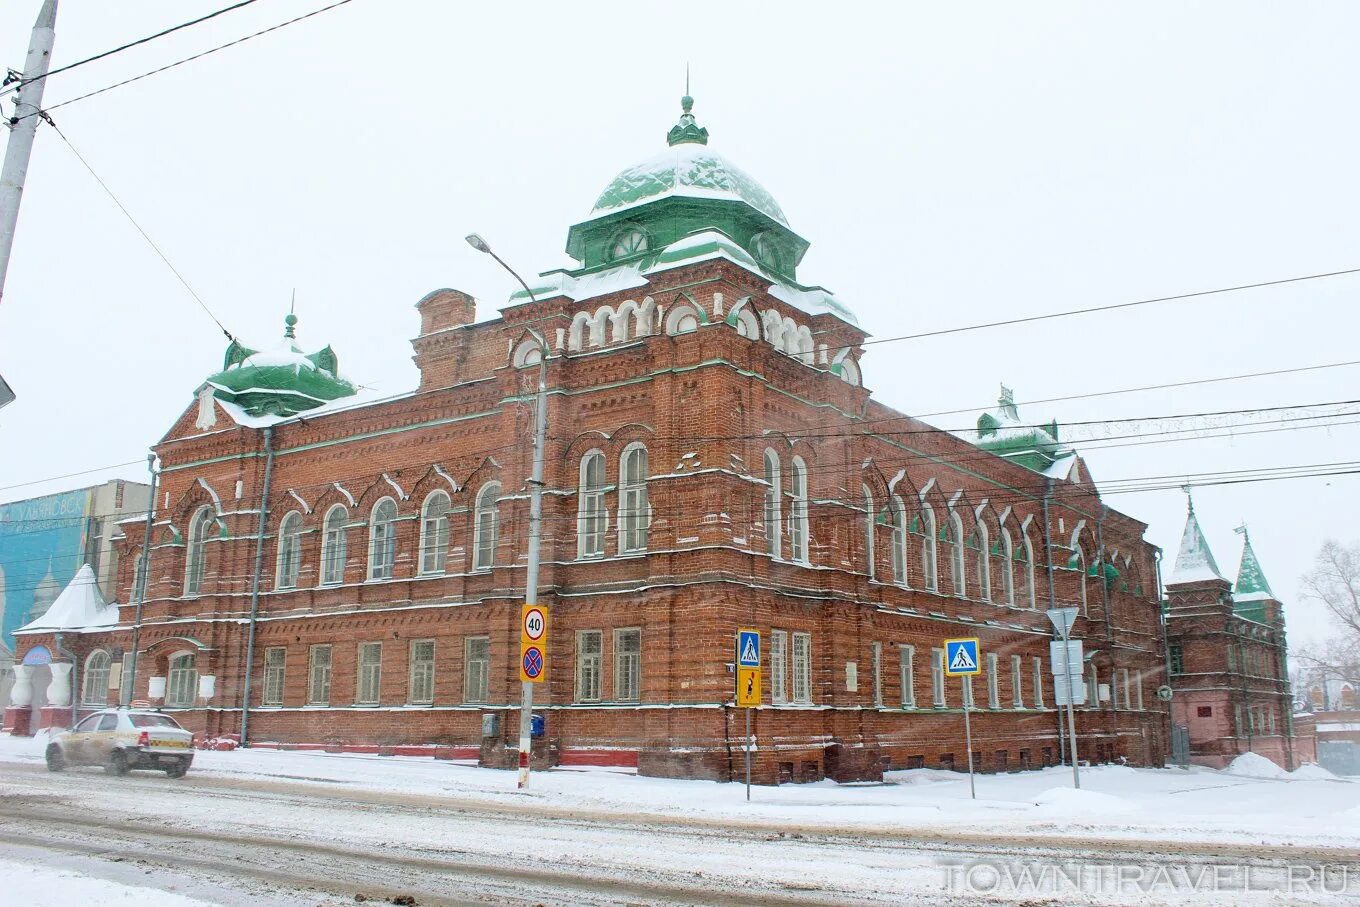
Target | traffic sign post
(1062,620)
(533,637)
(963,660)
(748,687)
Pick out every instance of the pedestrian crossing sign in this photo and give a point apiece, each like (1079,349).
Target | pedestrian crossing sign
(748,648)
(961,657)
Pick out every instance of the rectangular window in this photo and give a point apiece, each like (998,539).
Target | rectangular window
(907,657)
(1124,688)
(1138,689)
(993,683)
(370,673)
(476,668)
(421,684)
(1177,658)
(319,676)
(802,667)
(1017,683)
(1093,688)
(878,674)
(1038,683)
(779,668)
(937,693)
(627,665)
(588,654)
(272,695)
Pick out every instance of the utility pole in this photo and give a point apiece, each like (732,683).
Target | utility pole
(526,706)
(23,125)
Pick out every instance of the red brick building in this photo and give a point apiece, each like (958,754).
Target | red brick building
(715,461)
(1228,656)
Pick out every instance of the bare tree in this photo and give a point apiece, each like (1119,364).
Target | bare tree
(1335,582)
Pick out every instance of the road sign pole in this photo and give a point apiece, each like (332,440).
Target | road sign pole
(968,732)
(526,693)
(1071,719)
(749,743)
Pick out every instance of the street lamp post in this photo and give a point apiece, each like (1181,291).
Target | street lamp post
(526,707)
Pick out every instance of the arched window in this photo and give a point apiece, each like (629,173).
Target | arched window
(683,318)
(182,683)
(196,554)
(929,548)
(798,512)
(382,539)
(869,529)
(1078,563)
(484,526)
(1027,566)
(434,533)
(983,544)
(96,684)
(954,551)
(334,545)
(591,513)
(748,325)
(773,523)
(1007,568)
(290,551)
(634,514)
(529,352)
(139,576)
(899,541)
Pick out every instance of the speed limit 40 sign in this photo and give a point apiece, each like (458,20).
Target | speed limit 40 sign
(533,639)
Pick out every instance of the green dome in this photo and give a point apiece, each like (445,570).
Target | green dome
(686,170)
(283,381)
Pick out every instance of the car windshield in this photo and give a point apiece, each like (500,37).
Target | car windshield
(154,721)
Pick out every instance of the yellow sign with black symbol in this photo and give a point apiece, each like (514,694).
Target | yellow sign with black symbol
(748,688)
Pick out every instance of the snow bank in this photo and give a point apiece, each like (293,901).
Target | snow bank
(1069,802)
(1312,772)
(922,776)
(29,884)
(1251,765)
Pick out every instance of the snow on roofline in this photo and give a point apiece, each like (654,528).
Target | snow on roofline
(79,608)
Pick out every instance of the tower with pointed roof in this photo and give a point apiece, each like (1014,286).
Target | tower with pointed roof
(282,381)
(1227,656)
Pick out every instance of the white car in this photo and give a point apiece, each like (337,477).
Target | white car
(124,739)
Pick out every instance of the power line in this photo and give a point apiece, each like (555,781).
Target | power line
(121,207)
(197,56)
(130,44)
(1108,308)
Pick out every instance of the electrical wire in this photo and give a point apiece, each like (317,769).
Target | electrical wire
(140,41)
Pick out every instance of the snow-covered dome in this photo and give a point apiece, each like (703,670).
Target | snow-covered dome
(687,169)
(282,381)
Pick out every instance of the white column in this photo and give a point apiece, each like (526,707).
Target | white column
(59,690)
(21,696)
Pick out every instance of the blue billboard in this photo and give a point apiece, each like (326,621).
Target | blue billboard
(42,545)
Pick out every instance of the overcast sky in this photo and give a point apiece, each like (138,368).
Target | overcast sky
(951,164)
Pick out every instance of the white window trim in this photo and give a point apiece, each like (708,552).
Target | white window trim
(290,544)
(483,510)
(411,665)
(939,695)
(483,693)
(327,674)
(334,545)
(993,682)
(1017,682)
(591,503)
(802,662)
(779,669)
(906,670)
(583,660)
(635,512)
(620,671)
(434,549)
(266,700)
(359,675)
(385,568)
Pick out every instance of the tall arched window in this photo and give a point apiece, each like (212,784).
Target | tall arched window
(290,551)
(929,548)
(1078,563)
(382,539)
(798,512)
(139,577)
(196,554)
(773,522)
(434,533)
(958,563)
(182,683)
(591,514)
(983,544)
(1007,568)
(633,511)
(1027,566)
(96,684)
(334,545)
(869,529)
(899,541)
(484,527)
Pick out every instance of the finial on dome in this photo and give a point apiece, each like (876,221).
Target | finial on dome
(686,131)
(289,321)
(1189,499)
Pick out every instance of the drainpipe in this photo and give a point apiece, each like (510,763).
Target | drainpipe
(255,581)
(1053,603)
(125,691)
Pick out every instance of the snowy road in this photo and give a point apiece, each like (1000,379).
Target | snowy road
(228,840)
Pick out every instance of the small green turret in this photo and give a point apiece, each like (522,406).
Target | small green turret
(283,381)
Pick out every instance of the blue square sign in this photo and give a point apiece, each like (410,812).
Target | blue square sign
(748,648)
(961,657)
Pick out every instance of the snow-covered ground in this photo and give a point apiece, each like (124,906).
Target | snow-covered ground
(1252,802)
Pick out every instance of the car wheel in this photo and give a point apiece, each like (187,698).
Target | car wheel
(177,771)
(117,764)
(55,761)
